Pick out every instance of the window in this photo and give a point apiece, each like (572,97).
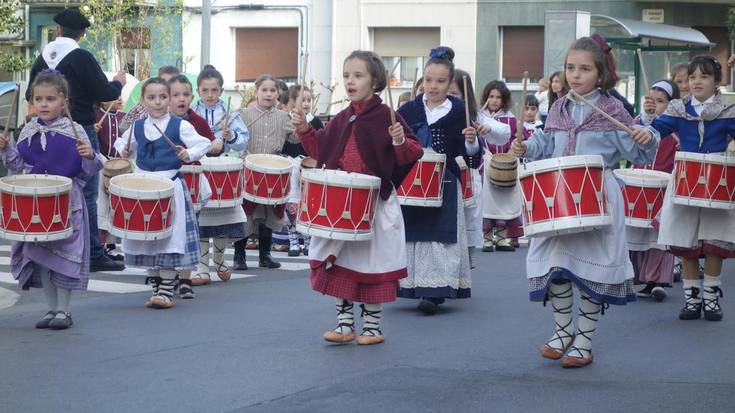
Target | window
(406,49)
(266,50)
(134,51)
(523,49)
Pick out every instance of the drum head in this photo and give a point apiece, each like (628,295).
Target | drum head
(118,165)
(141,186)
(221,163)
(308,162)
(268,163)
(35,184)
(645,178)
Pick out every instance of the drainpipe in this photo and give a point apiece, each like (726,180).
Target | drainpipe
(206,32)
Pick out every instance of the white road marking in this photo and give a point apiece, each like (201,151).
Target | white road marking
(7,298)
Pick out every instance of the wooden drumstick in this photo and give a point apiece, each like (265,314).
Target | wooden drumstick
(602,112)
(168,140)
(10,114)
(102,119)
(226,119)
(484,105)
(130,138)
(71,121)
(300,97)
(644,76)
(390,103)
(466,103)
(413,84)
(522,107)
(252,122)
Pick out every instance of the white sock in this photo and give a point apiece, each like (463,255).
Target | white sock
(371,314)
(689,285)
(218,256)
(711,292)
(153,277)
(64,296)
(49,289)
(560,296)
(168,284)
(589,313)
(204,255)
(345,317)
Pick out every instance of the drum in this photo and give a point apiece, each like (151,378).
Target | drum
(192,175)
(337,205)
(465,179)
(35,208)
(115,167)
(308,163)
(267,179)
(704,180)
(424,185)
(141,206)
(643,195)
(224,174)
(563,195)
(503,170)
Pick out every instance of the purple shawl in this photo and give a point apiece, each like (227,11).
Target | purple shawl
(559,119)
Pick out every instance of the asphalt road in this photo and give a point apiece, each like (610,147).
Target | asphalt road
(254,345)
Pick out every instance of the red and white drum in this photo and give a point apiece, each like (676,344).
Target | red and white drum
(141,206)
(424,185)
(35,208)
(337,205)
(224,174)
(563,195)
(468,193)
(704,180)
(643,195)
(192,178)
(267,179)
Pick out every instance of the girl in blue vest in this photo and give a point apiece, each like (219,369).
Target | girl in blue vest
(703,122)
(163,258)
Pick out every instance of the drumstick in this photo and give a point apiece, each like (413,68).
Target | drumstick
(168,140)
(522,107)
(602,112)
(10,114)
(300,97)
(466,103)
(413,84)
(102,119)
(226,120)
(255,120)
(644,76)
(71,121)
(484,105)
(390,104)
(130,138)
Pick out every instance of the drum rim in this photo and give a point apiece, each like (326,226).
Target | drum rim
(221,164)
(628,177)
(63,186)
(191,169)
(702,202)
(432,156)
(342,235)
(715,157)
(566,224)
(341,178)
(285,169)
(561,162)
(142,194)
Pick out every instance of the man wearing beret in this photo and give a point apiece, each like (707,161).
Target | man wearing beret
(87,85)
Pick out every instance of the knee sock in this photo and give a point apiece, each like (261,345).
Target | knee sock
(293,237)
(64,296)
(711,292)
(345,317)
(589,313)
(560,296)
(218,256)
(371,314)
(168,284)
(49,289)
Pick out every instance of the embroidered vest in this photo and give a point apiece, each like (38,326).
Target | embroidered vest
(158,155)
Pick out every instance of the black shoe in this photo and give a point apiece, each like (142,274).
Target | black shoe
(306,252)
(239,262)
(185,290)
(61,323)
(488,248)
(711,299)
(428,307)
(646,291)
(677,273)
(104,263)
(46,319)
(692,308)
(294,253)
(266,261)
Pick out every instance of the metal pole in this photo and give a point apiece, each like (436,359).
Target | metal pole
(206,31)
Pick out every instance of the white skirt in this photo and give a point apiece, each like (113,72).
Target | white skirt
(642,239)
(599,256)
(473,215)
(501,203)
(684,226)
(384,253)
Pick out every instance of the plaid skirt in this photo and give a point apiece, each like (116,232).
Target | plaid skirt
(188,260)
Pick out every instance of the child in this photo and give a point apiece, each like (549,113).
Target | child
(163,258)
(108,131)
(270,129)
(181,98)
(473,215)
(138,111)
(542,95)
(220,224)
(501,208)
(436,238)
(361,139)
(47,145)
(703,122)
(680,76)
(557,88)
(530,116)
(596,262)
(294,149)
(403,99)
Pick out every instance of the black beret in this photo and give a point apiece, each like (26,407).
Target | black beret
(72,19)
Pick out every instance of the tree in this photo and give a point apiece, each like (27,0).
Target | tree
(11,26)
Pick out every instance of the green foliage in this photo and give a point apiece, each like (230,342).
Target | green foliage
(13,63)
(731,21)
(11,23)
